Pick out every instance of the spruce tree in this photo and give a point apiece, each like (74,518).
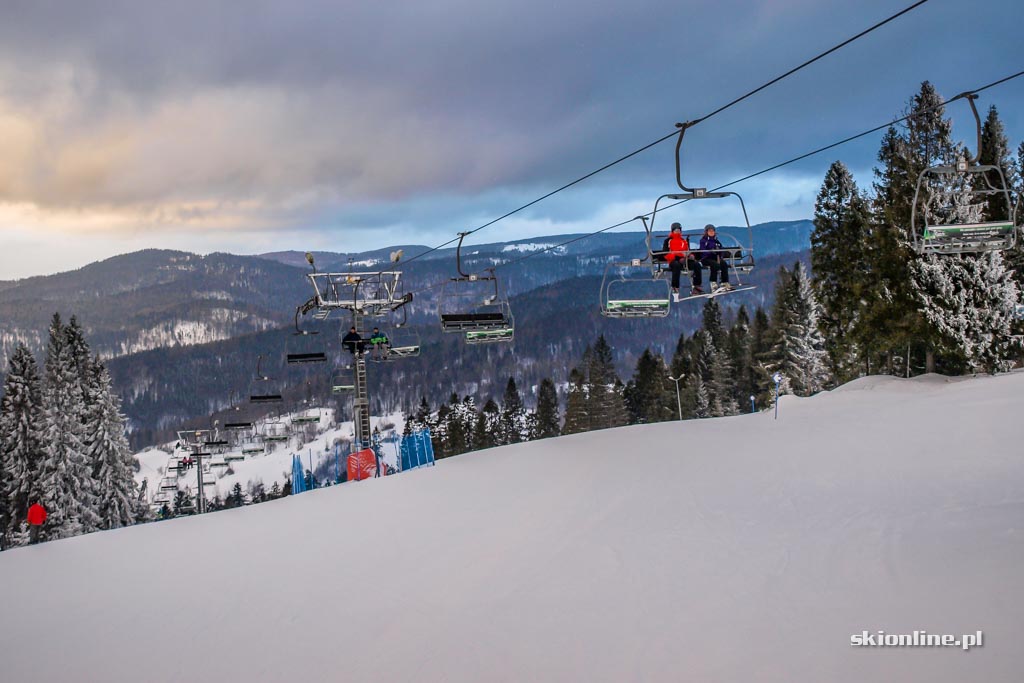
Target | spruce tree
(973,322)
(546,423)
(183,504)
(455,433)
(577,416)
(109,453)
(606,403)
(646,395)
(65,476)
(513,414)
(810,343)
(840,260)
(723,386)
(237,497)
(21,449)
(712,323)
(465,414)
(487,433)
(995,151)
(760,349)
(701,401)
(739,350)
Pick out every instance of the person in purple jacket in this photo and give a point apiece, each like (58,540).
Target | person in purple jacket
(712,255)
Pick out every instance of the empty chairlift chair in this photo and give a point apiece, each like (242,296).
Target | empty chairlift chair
(965,207)
(305,345)
(473,305)
(631,289)
(264,388)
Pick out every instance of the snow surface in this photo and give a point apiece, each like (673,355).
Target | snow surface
(734,549)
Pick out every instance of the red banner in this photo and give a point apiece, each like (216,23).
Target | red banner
(362,465)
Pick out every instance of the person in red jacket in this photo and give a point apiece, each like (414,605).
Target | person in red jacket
(676,252)
(36,519)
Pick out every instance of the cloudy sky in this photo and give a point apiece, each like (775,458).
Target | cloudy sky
(263,126)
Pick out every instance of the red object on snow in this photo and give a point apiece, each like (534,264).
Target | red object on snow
(362,465)
(36,515)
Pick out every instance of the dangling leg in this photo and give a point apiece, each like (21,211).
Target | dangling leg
(676,266)
(694,265)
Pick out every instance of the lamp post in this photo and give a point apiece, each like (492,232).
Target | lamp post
(777,377)
(679,402)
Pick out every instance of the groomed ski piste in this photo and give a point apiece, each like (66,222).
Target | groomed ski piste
(732,549)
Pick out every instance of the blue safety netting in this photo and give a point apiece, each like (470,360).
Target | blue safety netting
(417,450)
(298,475)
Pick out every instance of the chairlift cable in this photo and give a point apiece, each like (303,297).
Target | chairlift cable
(674,133)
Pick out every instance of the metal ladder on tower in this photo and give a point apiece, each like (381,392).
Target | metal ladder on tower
(361,401)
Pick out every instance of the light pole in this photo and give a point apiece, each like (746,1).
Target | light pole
(679,402)
(778,378)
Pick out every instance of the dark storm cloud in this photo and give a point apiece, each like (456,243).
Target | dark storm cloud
(221,113)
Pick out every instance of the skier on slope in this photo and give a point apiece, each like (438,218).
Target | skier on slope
(711,254)
(676,252)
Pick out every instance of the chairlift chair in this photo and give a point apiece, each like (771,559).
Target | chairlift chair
(342,381)
(402,342)
(950,200)
(305,345)
(264,388)
(275,431)
(472,304)
(254,446)
(737,250)
(631,289)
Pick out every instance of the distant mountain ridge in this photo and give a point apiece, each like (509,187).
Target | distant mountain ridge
(181,332)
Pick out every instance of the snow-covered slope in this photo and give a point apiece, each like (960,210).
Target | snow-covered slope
(736,549)
(271,464)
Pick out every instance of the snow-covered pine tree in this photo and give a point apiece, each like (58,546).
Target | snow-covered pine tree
(779,340)
(465,414)
(441,431)
(183,505)
(109,453)
(513,415)
(813,358)
(647,395)
(970,300)
(65,476)
(738,348)
(21,427)
(237,497)
(712,323)
(760,348)
(546,421)
(840,260)
(701,402)
(606,403)
(577,415)
(995,151)
(486,433)
(723,386)
(892,309)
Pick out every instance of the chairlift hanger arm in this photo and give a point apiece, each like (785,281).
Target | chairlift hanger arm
(679,173)
(458,255)
(970,96)
(303,309)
